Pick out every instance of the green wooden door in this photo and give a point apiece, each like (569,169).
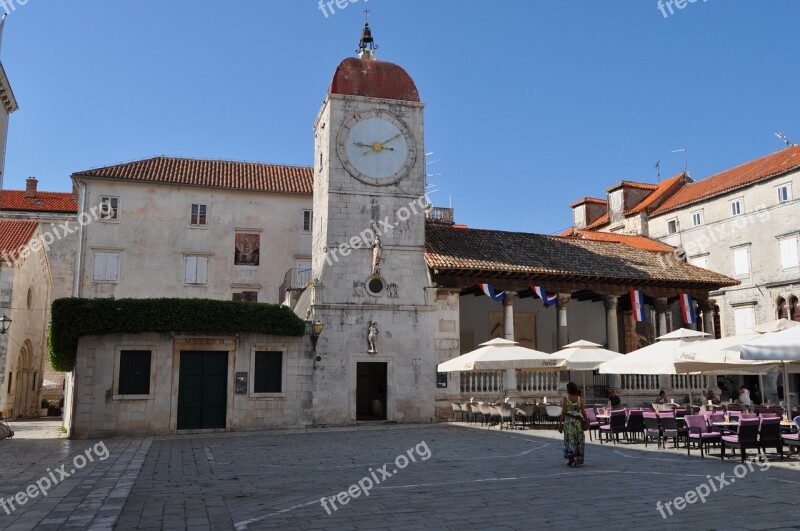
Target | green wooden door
(203,390)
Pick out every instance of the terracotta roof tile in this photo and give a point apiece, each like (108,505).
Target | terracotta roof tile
(212,174)
(13,235)
(748,173)
(640,242)
(632,184)
(60,202)
(473,251)
(663,191)
(589,200)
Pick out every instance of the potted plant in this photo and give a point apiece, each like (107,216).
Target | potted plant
(45,405)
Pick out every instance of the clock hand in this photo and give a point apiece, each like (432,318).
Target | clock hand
(395,137)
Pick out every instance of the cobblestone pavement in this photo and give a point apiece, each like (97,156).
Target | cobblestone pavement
(451,477)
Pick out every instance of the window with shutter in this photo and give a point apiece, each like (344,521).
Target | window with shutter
(134,372)
(789,254)
(268,377)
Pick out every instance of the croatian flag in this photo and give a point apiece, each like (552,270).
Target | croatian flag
(637,303)
(687,309)
(488,289)
(549,299)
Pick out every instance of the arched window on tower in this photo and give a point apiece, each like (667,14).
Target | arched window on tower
(794,308)
(783,310)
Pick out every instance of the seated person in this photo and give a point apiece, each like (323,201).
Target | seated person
(712,397)
(662,398)
(613,399)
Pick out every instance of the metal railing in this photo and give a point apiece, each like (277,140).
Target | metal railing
(442,215)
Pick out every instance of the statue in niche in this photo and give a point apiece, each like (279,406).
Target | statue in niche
(372,337)
(377,254)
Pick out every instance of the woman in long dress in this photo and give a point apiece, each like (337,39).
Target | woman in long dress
(572,418)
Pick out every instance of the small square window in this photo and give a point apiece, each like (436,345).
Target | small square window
(196,270)
(105,267)
(134,372)
(109,208)
(784,193)
(199,217)
(308,220)
(268,377)
(697,218)
(672,226)
(737,207)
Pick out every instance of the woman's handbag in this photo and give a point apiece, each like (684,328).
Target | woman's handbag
(585,423)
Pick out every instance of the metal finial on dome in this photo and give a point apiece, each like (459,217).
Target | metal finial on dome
(367,46)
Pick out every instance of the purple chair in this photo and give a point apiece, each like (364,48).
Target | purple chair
(652,429)
(792,439)
(670,428)
(615,426)
(634,425)
(716,417)
(769,435)
(594,424)
(746,437)
(700,433)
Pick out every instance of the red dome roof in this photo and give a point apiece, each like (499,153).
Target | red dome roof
(373,79)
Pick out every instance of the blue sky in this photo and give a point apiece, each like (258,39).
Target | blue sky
(530,104)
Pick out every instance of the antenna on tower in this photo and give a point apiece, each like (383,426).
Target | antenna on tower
(685,158)
(785,140)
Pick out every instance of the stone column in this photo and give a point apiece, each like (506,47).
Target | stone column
(508,315)
(563,328)
(510,383)
(611,302)
(662,307)
(707,307)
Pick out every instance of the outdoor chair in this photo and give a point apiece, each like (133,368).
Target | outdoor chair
(506,415)
(748,416)
(699,433)
(634,425)
(475,413)
(615,426)
(769,435)
(458,412)
(792,439)
(522,416)
(594,424)
(652,429)
(553,414)
(488,415)
(746,437)
(541,412)
(670,428)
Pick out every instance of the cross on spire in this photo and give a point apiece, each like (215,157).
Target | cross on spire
(367,47)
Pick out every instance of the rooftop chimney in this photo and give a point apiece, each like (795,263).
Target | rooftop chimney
(30,187)
(74,191)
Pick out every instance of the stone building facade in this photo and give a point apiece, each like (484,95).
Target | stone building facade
(25,282)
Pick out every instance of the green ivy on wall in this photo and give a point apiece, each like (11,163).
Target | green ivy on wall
(74,318)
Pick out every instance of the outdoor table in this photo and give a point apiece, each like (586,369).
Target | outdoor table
(727,426)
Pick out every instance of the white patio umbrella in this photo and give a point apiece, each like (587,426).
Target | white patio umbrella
(585,356)
(781,347)
(778,325)
(499,354)
(655,359)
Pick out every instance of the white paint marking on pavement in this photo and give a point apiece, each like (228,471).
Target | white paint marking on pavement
(623,454)
(243,524)
(209,455)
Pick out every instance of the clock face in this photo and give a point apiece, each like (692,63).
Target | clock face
(376,148)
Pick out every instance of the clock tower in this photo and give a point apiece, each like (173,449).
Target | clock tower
(375,359)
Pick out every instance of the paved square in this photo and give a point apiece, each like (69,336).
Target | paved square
(458,478)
